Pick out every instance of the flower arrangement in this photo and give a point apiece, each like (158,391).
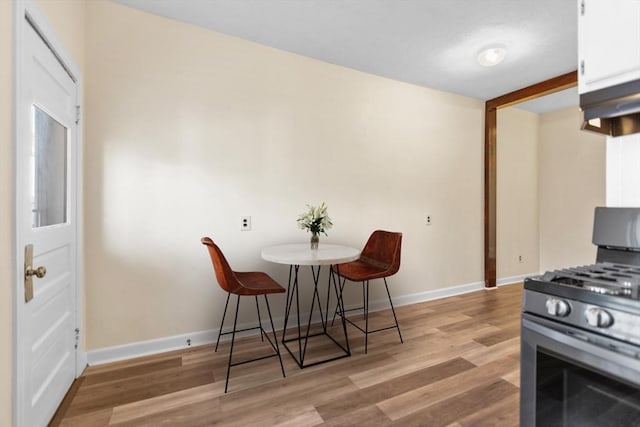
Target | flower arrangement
(316,220)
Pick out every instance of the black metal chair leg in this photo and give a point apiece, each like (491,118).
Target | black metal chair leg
(365,312)
(222,322)
(364,296)
(259,319)
(393,310)
(233,338)
(275,338)
(366,319)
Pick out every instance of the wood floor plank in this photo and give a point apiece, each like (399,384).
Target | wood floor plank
(114,366)
(98,418)
(481,356)
(367,416)
(504,412)
(464,324)
(166,402)
(513,377)
(132,371)
(382,374)
(315,385)
(439,340)
(420,398)
(304,416)
(441,320)
(284,397)
(95,396)
(460,405)
(361,398)
(203,413)
(500,335)
(458,366)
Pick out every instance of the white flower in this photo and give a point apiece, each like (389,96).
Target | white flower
(315,220)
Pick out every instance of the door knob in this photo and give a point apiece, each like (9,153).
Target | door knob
(39,272)
(29,272)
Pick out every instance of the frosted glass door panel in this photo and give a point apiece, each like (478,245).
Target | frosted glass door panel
(49,203)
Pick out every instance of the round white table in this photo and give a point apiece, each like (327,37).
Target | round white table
(300,254)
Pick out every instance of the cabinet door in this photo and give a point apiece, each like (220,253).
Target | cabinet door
(608,43)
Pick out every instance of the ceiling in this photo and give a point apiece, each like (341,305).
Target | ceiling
(432,43)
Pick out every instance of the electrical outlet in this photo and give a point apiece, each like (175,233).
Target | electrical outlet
(245,223)
(520,259)
(429,219)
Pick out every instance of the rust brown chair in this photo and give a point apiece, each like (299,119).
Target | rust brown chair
(379,259)
(243,284)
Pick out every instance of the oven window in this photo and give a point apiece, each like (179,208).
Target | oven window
(569,394)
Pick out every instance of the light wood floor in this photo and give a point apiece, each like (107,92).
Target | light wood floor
(458,366)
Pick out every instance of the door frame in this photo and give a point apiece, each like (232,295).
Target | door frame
(22,10)
(538,90)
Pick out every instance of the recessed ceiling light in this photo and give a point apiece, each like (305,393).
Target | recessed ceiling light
(491,56)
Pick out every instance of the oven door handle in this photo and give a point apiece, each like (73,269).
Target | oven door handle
(582,341)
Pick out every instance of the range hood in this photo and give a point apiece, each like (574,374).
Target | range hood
(613,111)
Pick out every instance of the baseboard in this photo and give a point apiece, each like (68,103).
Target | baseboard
(428,295)
(154,346)
(182,341)
(514,279)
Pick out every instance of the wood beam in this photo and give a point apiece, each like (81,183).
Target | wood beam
(537,90)
(490,186)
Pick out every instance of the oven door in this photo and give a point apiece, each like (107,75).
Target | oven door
(570,377)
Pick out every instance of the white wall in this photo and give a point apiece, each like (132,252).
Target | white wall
(623,171)
(551,176)
(572,184)
(188,130)
(517,194)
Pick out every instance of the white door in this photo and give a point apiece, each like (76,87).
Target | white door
(46,155)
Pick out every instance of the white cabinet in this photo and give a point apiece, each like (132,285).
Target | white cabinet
(623,171)
(608,43)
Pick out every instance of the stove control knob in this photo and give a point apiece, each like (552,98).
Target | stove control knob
(598,318)
(557,307)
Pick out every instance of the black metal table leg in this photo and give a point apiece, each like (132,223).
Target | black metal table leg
(303,340)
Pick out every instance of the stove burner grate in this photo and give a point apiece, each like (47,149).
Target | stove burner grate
(603,278)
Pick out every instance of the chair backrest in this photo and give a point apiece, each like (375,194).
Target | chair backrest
(383,249)
(225,276)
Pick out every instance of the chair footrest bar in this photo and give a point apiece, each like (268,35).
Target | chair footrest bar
(243,330)
(353,309)
(265,334)
(254,360)
(317,334)
(370,332)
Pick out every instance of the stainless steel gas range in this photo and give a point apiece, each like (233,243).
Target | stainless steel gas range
(580,348)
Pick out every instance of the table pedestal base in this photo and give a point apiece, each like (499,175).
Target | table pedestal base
(303,336)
